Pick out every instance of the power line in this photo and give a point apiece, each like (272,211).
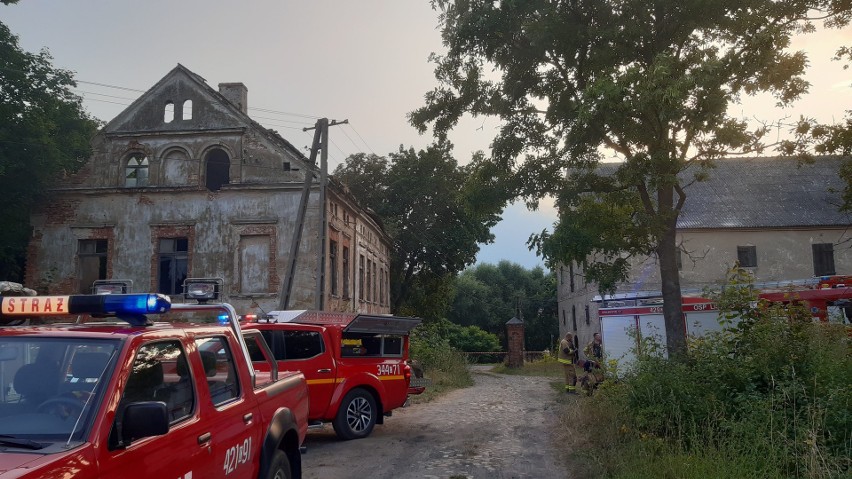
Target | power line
(106,85)
(362,139)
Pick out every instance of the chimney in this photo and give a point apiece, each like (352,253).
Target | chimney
(237,94)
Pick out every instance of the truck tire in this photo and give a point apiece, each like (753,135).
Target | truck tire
(356,415)
(279,467)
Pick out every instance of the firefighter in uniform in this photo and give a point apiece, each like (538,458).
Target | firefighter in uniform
(594,362)
(566,355)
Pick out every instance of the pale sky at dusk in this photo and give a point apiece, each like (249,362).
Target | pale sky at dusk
(365,61)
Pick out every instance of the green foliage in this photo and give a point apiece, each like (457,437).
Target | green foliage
(461,338)
(435,225)
(44,133)
(647,82)
(770,395)
(488,295)
(443,364)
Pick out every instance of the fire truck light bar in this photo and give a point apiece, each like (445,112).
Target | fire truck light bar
(103,304)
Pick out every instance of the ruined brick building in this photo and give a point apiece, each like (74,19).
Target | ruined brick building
(183,183)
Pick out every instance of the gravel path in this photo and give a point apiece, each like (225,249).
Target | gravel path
(500,428)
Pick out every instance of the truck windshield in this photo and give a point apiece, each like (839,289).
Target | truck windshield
(50,387)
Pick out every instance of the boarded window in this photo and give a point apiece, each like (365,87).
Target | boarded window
(177,168)
(92,262)
(136,171)
(218,170)
(254,264)
(747,256)
(823,259)
(173,262)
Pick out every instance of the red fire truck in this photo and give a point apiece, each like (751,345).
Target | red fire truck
(131,386)
(356,365)
(829,298)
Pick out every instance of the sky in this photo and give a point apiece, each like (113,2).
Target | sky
(365,61)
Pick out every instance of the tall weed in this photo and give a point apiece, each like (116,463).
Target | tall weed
(770,397)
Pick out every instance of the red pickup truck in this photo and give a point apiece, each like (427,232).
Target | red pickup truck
(131,386)
(356,365)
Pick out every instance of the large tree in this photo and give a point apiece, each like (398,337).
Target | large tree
(436,212)
(647,82)
(488,295)
(44,133)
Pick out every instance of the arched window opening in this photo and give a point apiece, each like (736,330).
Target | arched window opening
(187,110)
(136,171)
(218,170)
(169,114)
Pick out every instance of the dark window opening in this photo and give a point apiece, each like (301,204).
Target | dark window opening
(346,272)
(332,259)
(286,166)
(747,256)
(823,259)
(218,170)
(174,260)
(369,281)
(574,316)
(92,259)
(571,277)
(361,277)
(588,318)
(679,259)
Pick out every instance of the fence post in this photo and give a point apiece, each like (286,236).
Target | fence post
(515,333)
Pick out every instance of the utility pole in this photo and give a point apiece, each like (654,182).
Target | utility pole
(320,143)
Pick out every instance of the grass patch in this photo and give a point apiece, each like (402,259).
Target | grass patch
(547,367)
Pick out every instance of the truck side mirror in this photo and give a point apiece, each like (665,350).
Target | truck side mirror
(144,419)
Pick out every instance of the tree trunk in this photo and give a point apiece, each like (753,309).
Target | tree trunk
(670,279)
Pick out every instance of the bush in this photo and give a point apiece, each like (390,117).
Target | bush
(770,396)
(443,364)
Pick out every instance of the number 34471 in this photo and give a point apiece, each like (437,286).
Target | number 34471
(388,369)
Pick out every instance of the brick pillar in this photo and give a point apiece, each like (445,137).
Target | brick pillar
(515,333)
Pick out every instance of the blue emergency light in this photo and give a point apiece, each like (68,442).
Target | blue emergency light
(127,307)
(134,304)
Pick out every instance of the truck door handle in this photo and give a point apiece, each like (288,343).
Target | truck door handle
(247,418)
(204,438)
(324,371)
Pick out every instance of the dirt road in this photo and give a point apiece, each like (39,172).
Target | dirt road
(500,428)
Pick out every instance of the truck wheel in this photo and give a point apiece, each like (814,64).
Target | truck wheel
(356,416)
(279,467)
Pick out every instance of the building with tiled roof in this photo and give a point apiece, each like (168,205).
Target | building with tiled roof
(777,217)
